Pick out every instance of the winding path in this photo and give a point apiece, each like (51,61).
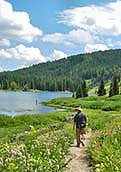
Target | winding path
(79,159)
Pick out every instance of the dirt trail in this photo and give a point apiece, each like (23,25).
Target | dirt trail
(79,162)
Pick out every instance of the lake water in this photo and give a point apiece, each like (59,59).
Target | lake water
(16,103)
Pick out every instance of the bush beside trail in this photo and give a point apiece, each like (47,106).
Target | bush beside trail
(105,148)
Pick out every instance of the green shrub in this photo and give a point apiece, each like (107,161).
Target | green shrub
(105,148)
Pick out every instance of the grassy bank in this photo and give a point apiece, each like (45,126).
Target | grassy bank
(11,126)
(94,102)
(104,117)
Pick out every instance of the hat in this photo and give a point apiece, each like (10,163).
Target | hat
(78,108)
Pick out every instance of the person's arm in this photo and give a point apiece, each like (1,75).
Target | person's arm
(74,124)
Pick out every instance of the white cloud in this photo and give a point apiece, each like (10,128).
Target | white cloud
(16,25)
(54,38)
(4,42)
(21,54)
(95,47)
(102,20)
(57,54)
(75,36)
(80,36)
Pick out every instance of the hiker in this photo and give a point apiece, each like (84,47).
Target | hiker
(80,124)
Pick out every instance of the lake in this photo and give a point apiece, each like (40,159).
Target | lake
(17,103)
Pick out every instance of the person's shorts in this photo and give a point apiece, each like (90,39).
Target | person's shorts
(81,130)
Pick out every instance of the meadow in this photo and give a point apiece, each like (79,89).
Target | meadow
(34,142)
(40,143)
(104,118)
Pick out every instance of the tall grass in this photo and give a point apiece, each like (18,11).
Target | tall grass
(105,148)
(36,152)
(10,126)
(34,143)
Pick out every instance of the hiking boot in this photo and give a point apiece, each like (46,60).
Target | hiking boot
(78,145)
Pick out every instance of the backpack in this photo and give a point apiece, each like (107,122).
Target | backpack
(81,121)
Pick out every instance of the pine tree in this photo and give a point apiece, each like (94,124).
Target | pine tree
(101,90)
(73,95)
(111,93)
(114,87)
(79,92)
(84,89)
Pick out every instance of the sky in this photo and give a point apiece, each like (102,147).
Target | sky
(33,32)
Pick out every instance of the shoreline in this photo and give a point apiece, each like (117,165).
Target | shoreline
(20,90)
(31,90)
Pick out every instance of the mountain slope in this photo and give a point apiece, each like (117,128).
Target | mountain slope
(65,74)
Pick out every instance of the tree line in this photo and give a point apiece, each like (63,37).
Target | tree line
(65,74)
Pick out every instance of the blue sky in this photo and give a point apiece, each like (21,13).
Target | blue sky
(44,13)
(38,31)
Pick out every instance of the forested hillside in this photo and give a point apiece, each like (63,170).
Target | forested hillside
(65,74)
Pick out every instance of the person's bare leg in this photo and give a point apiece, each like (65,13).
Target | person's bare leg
(82,138)
(82,141)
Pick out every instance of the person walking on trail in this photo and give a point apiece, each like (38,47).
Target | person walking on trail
(80,124)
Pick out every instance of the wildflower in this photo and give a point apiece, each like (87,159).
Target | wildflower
(1,161)
(97,165)
(97,170)
(32,130)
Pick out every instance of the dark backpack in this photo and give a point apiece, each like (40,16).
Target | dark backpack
(80,120)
